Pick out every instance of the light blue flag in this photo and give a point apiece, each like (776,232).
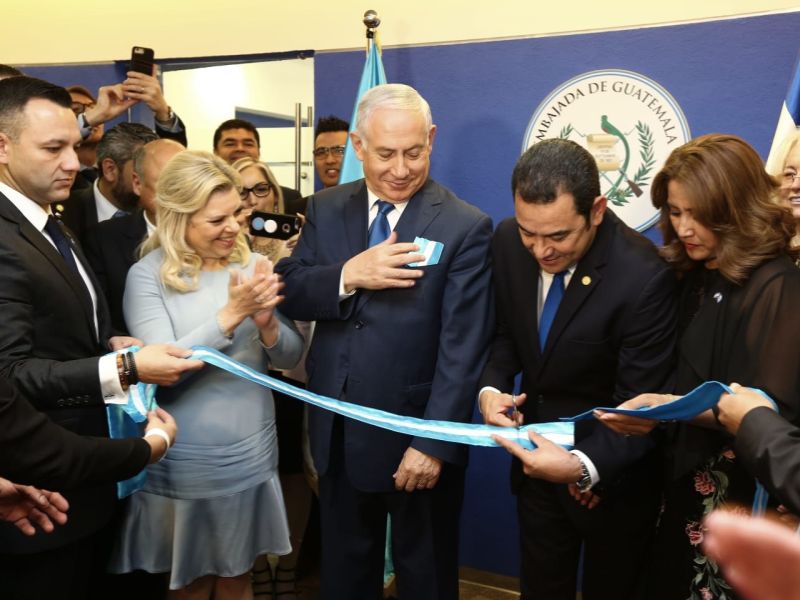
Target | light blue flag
(372,76)
(788,120)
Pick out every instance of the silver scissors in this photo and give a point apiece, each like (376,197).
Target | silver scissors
(515,410)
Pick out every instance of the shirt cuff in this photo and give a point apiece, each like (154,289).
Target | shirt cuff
(487,388)
(594,476)
(171,125)
(110,386)
(342,294)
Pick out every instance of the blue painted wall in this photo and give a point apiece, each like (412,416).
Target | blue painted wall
(728,76)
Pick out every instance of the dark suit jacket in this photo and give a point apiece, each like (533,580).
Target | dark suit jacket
(415,351)
(49,351)
(178,136)
(769,447)
(36,451)
(78,212)
(613,336)
(111,247)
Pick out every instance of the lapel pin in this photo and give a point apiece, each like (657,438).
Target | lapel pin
(586,280)
(718,297)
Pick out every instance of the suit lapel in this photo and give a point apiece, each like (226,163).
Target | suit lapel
(419,213)
(38,241)
(355,220)
(587,275)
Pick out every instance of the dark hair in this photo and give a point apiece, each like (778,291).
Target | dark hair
(331,123)
(236,124)
(16,92)
(553,167)
(733,196)
(121,141)
(9,71)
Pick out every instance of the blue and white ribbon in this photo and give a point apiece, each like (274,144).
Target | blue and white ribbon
(141,398)
(447,431)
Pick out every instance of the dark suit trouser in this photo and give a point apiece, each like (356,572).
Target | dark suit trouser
(71,572)
(425,527)
(617,535)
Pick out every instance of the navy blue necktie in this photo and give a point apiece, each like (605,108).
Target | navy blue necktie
(379,230)
(120,213)
(550,308)
(62,244)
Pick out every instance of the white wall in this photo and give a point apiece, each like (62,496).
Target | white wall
(50,31)
(206,97)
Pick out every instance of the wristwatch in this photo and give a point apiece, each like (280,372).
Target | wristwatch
(585,482)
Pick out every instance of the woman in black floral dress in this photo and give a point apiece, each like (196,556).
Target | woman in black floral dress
(738,322)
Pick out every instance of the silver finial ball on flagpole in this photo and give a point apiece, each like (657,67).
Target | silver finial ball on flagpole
(371,19)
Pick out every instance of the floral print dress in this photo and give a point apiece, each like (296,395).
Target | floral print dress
(744,333)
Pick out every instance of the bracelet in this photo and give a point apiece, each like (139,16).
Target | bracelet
(157,431)
(122,372)
(133,372)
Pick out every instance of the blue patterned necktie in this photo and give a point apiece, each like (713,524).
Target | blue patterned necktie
(379,230)
(554,296)
(120,213)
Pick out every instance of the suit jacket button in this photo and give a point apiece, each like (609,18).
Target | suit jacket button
(540,399)
(60,402)
(359,324)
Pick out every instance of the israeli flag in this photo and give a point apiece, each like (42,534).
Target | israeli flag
(788,120)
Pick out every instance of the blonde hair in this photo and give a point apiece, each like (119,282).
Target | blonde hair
(787,145)
(247,162)
(184,187)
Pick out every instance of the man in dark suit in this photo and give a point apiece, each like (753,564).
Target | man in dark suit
(36,451)
(111,246)
(53,337)
(407,340)
(237,138)
(111,195)
(585,312)
(112,101)
(767,444)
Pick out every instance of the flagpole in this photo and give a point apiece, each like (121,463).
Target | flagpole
(371,22)
(372,76)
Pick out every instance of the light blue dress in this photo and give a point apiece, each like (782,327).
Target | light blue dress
(214,503)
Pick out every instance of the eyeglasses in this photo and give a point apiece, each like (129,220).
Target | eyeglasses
(262,190)
(80,108)
(788,178)
(324,150)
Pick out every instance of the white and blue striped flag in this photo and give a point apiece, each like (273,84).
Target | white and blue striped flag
(789,119)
